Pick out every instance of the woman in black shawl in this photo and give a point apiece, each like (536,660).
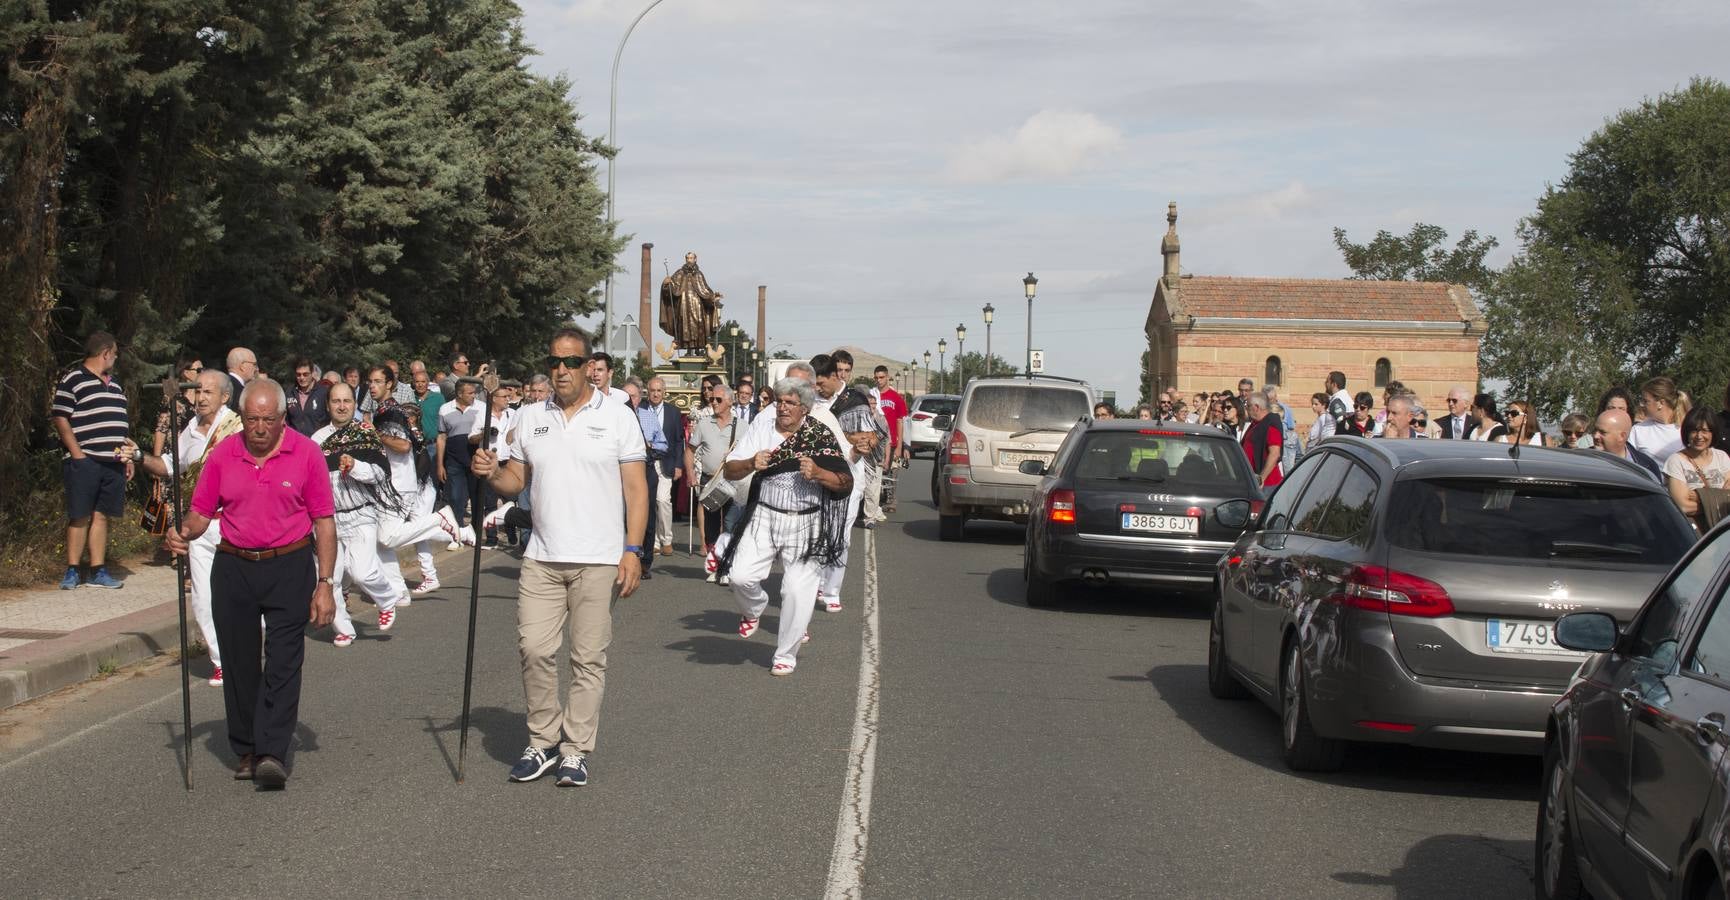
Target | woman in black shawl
(796,513)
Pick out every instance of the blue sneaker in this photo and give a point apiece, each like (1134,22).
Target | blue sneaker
(573,771)
(71,579)
(100,578)
(534,763)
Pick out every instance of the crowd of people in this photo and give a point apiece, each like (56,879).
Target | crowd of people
(1680,446)
(310,489)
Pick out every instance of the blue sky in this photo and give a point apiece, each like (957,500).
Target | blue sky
(889,168)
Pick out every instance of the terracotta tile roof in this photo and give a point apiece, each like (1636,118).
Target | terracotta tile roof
(1320,298)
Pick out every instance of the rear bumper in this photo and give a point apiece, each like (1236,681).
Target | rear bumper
(1376,687)
(1007,501)
(1134,560)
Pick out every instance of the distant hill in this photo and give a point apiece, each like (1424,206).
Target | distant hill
(864,362)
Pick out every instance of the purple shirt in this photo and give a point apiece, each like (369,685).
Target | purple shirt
(265,506)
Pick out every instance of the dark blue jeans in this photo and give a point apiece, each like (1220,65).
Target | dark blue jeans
(459,487)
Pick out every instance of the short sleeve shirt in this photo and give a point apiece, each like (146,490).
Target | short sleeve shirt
(1713,471)
(269,505)
(429,413)
(456,424)
(502,423)
(95,407)
(577,491)
(894,409)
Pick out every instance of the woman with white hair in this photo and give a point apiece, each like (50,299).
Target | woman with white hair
(796,513)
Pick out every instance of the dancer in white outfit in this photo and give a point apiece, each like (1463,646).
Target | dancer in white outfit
(214,421)
(857,415)
(362,489)
(398,426)
(796,514)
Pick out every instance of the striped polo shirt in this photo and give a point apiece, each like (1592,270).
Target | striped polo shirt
(96,409)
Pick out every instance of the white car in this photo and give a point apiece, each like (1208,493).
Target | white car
(922,436)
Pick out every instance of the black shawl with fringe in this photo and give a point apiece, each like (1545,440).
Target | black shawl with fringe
(812,440)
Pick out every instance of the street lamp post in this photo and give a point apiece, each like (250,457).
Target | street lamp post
(613,142)
(928,371)
(989,312)
(961,356)
(912,377)
(1030,284)
(732,353)
(942,368)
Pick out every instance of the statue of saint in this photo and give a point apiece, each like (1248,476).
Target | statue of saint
(690,309)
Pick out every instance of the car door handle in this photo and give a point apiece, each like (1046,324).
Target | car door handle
(1629,697)
(1709,728)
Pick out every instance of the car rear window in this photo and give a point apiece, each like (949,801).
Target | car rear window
(1015,408)
(1538,520)
(1178,460)
(938,406)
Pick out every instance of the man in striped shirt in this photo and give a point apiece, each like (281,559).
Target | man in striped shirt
(90,418)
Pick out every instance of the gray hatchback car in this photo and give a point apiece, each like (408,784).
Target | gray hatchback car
(1406,590)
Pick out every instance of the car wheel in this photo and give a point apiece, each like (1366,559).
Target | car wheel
(1220,682)
(1040,592)
(950,528)
(1555,870)
(1305,751)
(936,479)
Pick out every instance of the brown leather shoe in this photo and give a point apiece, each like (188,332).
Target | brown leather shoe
(243,771)
(666,549)
(269,772)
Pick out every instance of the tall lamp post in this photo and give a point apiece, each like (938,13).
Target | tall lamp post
(961,356)
(989,312)
(1030,284)
(942,369)
(912,377)
(732,353)
(613,141)
(928,371)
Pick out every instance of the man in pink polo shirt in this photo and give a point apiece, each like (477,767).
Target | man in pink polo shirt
(278,548)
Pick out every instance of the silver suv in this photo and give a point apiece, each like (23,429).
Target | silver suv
(1002,423)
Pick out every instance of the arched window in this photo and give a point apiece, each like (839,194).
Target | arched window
(1274,373)
(1384,372)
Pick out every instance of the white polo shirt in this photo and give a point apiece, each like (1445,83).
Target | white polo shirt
(616,396)
(576,492)
(502,423)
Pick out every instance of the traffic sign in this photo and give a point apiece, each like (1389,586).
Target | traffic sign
(1036,362)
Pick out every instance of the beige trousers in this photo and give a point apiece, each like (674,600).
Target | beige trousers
(553,600)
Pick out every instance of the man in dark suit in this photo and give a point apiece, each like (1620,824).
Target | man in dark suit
(668,465)
(307,400)
(242,367)
(1457,424)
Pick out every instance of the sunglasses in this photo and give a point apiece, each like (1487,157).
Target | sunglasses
(717,400)
(193,369)
(569,362)
(1516,414)
(1364,406)
(1574,434)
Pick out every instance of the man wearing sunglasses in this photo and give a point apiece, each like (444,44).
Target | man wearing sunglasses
(582,460)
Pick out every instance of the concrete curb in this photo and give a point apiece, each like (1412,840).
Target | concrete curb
(42,667)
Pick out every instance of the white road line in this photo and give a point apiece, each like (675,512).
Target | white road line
(853,825)
(81,733)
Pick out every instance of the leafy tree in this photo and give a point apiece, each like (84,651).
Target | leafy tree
(974,365)
(1624,271)
(1422,255)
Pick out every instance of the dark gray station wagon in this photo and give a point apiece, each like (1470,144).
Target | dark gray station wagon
(1406,590)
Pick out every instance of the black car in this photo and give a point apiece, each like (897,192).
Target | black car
(1635,754)
(1136,502)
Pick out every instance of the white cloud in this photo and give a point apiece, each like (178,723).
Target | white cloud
(1050,144)
(1267,204)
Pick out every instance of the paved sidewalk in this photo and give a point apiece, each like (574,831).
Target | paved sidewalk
(50,639)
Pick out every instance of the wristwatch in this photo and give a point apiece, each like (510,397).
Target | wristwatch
(325,579)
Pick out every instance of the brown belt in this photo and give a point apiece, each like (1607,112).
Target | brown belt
(269,553)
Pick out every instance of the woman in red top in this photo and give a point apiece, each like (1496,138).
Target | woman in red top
(1263,441)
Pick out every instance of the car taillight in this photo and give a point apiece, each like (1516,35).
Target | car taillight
(1395,593)
(923,417)
(958,449)
(1060,507)
(1255,507)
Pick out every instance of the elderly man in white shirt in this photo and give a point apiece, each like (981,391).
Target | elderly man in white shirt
(213,421)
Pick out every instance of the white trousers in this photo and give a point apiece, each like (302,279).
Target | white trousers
(200,556)
(829,587)
(357,558)
(663,511)
(752,563)
(871,504)
(421,531)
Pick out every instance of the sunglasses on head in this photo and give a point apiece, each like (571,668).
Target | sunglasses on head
(569,362)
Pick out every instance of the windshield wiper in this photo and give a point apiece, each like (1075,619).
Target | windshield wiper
(1587,548)
(1032,430)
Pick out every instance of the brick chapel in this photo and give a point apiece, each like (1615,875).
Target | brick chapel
(1206,332)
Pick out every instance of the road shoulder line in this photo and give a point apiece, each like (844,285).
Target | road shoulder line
(852,825)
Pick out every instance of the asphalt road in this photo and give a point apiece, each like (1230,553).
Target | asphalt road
(1018,753)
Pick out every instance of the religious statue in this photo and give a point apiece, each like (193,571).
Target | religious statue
(690,309)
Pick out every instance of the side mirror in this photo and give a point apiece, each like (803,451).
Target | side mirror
(1233,513)
(1031,467)
(942,423)
(1594,632)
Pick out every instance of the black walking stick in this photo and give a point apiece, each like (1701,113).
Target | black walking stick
(475,575)
(172,397)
